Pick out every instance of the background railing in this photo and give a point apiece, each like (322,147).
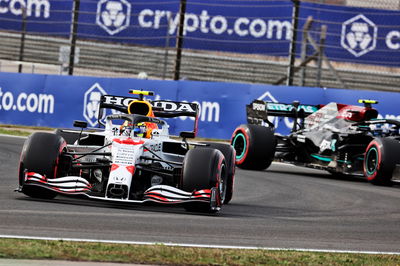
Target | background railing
(37,37)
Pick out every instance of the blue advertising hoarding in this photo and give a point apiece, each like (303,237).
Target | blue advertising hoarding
(209,25)
(56,101)
(354,34)
(42,16)
(361,35)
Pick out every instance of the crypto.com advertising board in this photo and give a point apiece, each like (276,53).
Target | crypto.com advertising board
(264,27)
(56,101)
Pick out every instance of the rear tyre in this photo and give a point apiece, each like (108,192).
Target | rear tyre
(380,160)
(204,169)
(40,154)
(229,153)
(254,145)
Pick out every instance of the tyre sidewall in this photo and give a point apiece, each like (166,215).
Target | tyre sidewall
(388,154)
(201,170)
(229,153)
(242,131)
(40,154)
(260,146)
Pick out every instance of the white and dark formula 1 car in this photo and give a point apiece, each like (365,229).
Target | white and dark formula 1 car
(133,159)
(342,139)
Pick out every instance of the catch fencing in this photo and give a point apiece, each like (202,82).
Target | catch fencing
(350,44)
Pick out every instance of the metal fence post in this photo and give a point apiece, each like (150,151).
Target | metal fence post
(304,46)
(179,39)
(164,72)
(292,49)
(22,43)
(74,30)
(320,54)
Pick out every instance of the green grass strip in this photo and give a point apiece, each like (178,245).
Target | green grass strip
(168,255)
(18,130)
(14,132)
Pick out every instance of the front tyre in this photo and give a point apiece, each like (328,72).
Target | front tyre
(254,145)
(380,159)
(204,168)
(40,154)
(229,153)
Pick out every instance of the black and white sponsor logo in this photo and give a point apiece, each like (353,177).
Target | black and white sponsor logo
(117,100)
(175,106)
(167,106)
(258,106)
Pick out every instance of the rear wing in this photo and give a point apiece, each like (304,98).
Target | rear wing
(258,111)
(160,108)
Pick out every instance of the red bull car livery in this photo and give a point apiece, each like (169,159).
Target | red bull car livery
(131,159)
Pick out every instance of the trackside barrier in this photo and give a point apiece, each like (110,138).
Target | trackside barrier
(55,101)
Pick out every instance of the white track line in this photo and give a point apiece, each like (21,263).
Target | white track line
(198,245)
(13,136)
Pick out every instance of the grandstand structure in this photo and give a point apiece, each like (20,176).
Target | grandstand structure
(25,48)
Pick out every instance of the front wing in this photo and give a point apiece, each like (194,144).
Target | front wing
(75,185)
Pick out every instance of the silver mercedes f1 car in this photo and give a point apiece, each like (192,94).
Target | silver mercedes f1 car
(345,140)
(132,158)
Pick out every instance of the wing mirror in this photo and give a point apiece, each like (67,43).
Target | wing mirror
(81,124)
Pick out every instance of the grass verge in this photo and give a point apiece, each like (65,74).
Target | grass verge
(14,132)
(21,130)
(167,255)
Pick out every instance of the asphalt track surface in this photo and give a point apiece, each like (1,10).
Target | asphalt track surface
(282,207)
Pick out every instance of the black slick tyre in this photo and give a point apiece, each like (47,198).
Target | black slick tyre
(380,159)
(229,153)
(40,154)
(254,145)
(204,168)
